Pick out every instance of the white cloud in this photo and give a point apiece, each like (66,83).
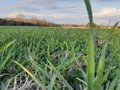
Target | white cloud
(102,22)
(53,15)
(108,12)
(50,15)
(105,0)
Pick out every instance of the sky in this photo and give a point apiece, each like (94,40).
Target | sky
(105,12)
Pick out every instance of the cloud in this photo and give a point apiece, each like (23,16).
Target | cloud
(43,6)
(49,1)
(62,10)
(53,15)
(108,12)
(56,17)
(22,8)
(54,4)
(108,15)
(106,1)
(101,21)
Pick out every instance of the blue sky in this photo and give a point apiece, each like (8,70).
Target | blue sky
(63,11)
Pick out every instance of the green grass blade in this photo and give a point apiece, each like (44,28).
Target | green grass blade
(28,72)
(59,75)
(4,63)
(90,60)
(35,64)
(52,82)
(118,86)
(100,69)
(65,81)
(90,65)
(6,46)
(105,77)
(113,83)
(89,10)
(2,66)
(51,65)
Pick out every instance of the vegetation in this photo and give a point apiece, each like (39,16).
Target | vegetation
(35,58)
(21,20)
(55,57)
(94,25)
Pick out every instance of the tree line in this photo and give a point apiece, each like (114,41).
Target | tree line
(21,20)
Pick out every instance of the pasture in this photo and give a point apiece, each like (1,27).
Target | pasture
(41,58)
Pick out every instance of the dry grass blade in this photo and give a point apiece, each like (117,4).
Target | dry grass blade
(115,26)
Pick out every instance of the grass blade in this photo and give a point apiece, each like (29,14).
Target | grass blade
(115,26)
(4,63)
(118,86)
(89,10)
(50,87)
(113,83)
(7,57)
(90,65)
(90,60)
(100,69)
(28,72)
(59,75)
(6,46)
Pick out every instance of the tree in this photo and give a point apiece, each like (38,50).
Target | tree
(19,18)
(34,19)
(94,25)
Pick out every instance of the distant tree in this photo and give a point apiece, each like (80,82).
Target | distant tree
(118,27)
(94,25)
(34,19)
(1,21)
(19,18)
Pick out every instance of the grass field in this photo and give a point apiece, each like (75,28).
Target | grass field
(39,58)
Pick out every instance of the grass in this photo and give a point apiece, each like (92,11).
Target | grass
(57,58)
(42,58)
(97,85)
(91,54)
